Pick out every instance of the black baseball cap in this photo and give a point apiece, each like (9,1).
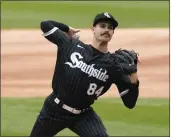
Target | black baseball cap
(105,16)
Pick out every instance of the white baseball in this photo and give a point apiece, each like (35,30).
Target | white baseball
(76,35)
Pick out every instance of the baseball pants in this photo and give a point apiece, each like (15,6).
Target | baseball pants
(53,119)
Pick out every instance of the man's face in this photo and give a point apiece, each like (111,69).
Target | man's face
(103,31)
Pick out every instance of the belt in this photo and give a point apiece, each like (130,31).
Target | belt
(68,108)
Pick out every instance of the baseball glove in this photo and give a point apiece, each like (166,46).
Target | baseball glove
(126,61)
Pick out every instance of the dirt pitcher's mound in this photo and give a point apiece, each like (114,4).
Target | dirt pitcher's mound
(28,61)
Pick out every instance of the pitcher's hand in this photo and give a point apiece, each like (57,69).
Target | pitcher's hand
(72,31)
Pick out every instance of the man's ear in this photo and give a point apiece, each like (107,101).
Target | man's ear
(92,28)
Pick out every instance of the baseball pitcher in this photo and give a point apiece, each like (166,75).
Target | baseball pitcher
(84,72)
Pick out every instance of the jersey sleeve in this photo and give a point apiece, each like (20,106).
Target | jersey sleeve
(55,35)
(128,92)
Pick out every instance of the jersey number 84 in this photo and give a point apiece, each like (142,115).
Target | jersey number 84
(92,90)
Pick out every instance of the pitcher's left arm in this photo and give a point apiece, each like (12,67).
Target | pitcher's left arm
(128,87)
(126,79)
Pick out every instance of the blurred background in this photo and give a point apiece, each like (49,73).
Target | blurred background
(28,61)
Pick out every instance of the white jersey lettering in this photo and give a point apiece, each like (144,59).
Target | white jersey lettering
(76,62)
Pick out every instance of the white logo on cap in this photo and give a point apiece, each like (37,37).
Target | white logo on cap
(107,15)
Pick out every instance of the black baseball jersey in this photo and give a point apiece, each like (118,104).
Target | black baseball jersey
(82,73)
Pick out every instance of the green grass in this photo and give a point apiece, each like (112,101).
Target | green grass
(81,14)
(150,117)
